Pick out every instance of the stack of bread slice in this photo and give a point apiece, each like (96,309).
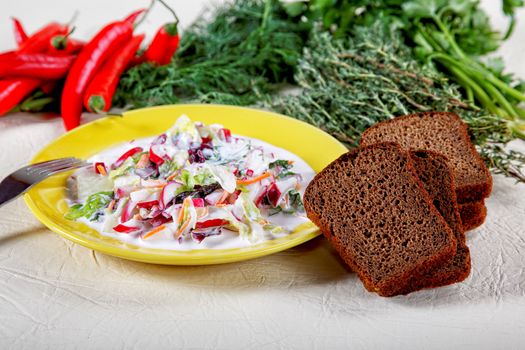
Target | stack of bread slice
(390,207)
(446,134)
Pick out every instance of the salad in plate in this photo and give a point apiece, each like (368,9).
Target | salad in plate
(188,184)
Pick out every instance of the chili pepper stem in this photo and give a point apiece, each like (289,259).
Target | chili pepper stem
(148,10)
(73,18)
(169,9)
(97,104)
(59,42)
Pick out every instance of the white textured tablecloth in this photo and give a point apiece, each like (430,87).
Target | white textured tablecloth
(56,294)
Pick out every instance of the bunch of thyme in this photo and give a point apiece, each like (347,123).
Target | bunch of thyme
(349,84)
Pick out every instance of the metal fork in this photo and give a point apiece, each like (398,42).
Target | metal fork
(23,179)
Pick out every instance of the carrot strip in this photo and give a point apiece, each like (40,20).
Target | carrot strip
(155,230)
(221,200)
(254,179)
(179,232)
(181,215)
(187,201)
(143,161)
(155,183)
(112,204)
(101,170)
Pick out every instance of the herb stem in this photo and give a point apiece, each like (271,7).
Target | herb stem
(450,38)
(481,95)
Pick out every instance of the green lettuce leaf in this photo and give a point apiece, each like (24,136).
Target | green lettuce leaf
(91,207)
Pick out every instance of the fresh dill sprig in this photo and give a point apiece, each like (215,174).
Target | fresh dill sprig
(242,53)
(350,84)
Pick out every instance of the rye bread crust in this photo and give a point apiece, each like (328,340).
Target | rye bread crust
(473,214)
(392,284)
(438,179)
(466,191)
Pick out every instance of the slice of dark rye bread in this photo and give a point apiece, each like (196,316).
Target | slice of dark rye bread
(446,134)
(473,214)
(372,207)
(438,180)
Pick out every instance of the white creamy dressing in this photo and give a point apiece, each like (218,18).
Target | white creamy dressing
(227,239)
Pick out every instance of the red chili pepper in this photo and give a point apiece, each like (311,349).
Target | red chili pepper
(165,43)
(39,41)
(163,46)
(7,55)
(37,65)
(134,15)
(20,33)
(90,59)
(99,93)
(13,91)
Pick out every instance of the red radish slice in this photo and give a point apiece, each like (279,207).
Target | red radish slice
(225,134)
(273,194)
(262,192)
(127,227)
(126,155)
(127,212)
(214,197)
(168,194)
(171,211)
(160,140)
(284,186)
(198,202)
(144,195)
(148,204)
(211,223)
(159,220)
(157,154)
(249,172)
(150,213)
(122,192)
(152,183)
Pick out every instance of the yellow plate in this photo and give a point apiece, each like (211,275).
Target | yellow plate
(48,202)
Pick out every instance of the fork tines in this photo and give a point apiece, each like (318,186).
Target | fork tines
(54,165)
